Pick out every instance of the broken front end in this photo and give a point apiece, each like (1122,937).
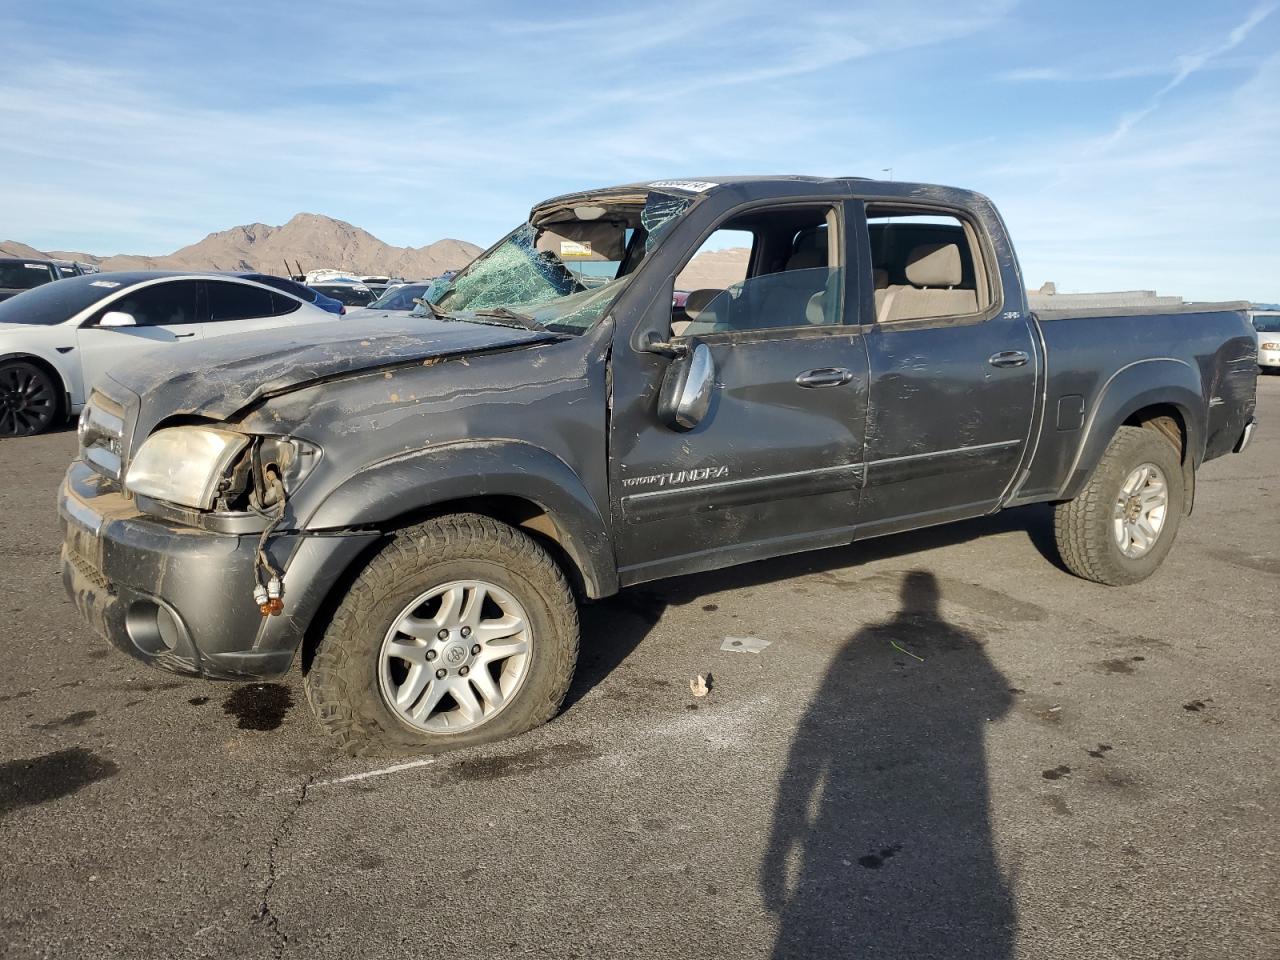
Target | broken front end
(185,555)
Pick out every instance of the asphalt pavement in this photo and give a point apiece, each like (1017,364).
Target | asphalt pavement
(950,747)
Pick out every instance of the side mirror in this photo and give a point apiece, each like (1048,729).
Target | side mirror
(685,396)
(117,318)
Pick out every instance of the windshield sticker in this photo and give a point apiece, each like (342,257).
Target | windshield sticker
(692,186)
(574,248)
(109,284)
(35,266)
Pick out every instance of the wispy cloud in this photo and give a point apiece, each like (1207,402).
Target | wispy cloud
(1187,65)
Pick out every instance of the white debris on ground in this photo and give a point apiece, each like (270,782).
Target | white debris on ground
(744,644)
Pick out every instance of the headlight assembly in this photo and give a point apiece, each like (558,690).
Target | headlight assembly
(184,465)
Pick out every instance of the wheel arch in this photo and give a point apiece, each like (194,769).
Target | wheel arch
(1161,394)
(511,481)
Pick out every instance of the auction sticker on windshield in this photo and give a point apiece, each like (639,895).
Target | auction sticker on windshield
(692,186)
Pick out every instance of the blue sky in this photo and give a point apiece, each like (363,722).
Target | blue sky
(1129,145)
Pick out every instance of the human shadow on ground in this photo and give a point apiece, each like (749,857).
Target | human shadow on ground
(881,842)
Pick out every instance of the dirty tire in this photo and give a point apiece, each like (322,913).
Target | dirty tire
(1083,526)
(342,682)
(30,399)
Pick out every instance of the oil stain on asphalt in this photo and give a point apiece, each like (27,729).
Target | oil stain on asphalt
(24,783)
(259,706)
(529,761)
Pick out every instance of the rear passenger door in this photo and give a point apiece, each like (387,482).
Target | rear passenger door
(952,369)
(242,307)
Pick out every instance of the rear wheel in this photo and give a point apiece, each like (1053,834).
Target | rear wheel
(29,401)
(460,631)
(1122,525)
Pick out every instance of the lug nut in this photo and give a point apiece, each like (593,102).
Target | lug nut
(463,671)
(466,632)
(441,673)
(442,635)
(475,649)
(431,654)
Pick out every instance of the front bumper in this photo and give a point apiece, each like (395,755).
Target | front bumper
(180,597)
(1269,358)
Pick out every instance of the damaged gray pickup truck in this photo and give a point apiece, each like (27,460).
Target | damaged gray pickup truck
(413,505)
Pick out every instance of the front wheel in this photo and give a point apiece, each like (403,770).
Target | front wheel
(1122,525)
(29,402)
(460,631)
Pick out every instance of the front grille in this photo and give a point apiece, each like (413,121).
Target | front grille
(102,436)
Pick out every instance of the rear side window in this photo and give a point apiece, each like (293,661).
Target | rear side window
(925,265)
(288,286)
(169,303)
(282,304)
(19,275)
(237,301)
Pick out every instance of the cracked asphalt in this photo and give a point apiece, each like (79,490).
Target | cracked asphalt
(949,748)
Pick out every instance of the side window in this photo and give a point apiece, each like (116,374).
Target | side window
(282,304)
(785,272)
(237,301)
(925,265)
(161,304)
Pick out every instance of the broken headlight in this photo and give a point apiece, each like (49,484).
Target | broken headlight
(184,465)
(207,467)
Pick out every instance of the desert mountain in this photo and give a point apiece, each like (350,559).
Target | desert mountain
(313,240)
(714,269)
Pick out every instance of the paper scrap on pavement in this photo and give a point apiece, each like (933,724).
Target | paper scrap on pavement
(744,644)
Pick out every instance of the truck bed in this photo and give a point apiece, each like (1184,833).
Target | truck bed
(1108,358)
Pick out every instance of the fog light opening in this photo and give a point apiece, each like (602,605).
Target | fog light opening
(152,628)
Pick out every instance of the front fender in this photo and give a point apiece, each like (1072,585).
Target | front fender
(1159,381)
(421,479)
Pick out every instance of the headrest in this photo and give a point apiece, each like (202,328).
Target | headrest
(810,250)
(881,277)
(698,301)
(815,310)
(934,265)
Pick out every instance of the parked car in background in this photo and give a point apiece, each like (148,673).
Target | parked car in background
(68,268)
(300,290)
(59,339)
(18,274)
(1266,323)
(401,297)
(380,285)
(351,293)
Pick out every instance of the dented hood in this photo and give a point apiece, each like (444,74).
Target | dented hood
(219,376)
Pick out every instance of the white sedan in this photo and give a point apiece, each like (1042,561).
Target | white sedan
(58,339)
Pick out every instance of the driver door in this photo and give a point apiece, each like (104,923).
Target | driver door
(773,465)
(164,313)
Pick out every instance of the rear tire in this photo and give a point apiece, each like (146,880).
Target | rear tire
(1114,532)
(411,610)
(30,399)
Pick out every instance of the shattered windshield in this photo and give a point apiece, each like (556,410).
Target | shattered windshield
(565,267)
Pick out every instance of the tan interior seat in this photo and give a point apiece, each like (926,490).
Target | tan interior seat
(933,271)
(700,309)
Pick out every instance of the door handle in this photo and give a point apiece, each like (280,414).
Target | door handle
(824,377)
(183,336)
(1008,358)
